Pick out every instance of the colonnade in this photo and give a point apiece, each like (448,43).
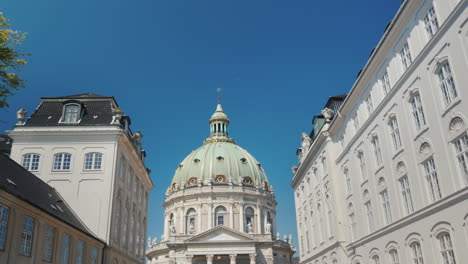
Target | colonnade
(232,258)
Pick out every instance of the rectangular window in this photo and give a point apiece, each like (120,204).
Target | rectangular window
(369,104)
(447,84)
(62,161)
(31,162)
(220,220)
(446,248)
(353,225)
(48,251)
(79,252)
(461,147)
(324,166)
(370,216)
(94,256)
(307,239)
(356,122)
(27,236)
(386,207)
(4,213)
(362,165)
(377,152)
(417,253)
(348,181)
(93,161)
(406,194)
(431,23)
(65,249)
(405,55)
(395,133)
(386,83)
(418,113)
(432,179)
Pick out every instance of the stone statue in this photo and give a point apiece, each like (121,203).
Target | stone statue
(118,113)
(162,237)
(285,238)
(21,115)
(155,241)
(191,228)
(172,228)
(305,144)
(290,239)
(249,228)
(278,236)
(149,241)
(328,114)
(268,228)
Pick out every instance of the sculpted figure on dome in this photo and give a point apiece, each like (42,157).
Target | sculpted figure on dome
(305,142)
(191,228)
(155,241)
(172,228)
(249,228)
(268,228)
(149,242)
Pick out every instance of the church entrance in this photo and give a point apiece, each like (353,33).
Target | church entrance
(221,259)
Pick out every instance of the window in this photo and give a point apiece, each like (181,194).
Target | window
(416,253)
(118,212)
(369,104)
(405,55)
(94,256)
(191,221)
(79,252)
(446,248)
(406,194)
(386,207)
(324,166)
(395,133)
(93,161)
(331,221)
(71,113)
(125,220)
(122,169)
(353,226)
(31,161)
(348,181)
(386,83)
(431,23)
(461,147)
(249,216)
(432,179)
(321,223)
(130,180)
(362,165)
(4,213)
(417,109)
(220,212)
(377,151)
(356,122)
(48,251)
(65,249)
(307,239)
(394,259)
(62,161)
(27,236)
(370,216)
(375,259)
(446,83)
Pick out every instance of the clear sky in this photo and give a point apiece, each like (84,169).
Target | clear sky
(276,61)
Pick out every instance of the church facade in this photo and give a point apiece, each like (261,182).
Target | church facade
(220,207)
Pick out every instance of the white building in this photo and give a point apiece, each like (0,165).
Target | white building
(220,207)
(82,145)
(393,159)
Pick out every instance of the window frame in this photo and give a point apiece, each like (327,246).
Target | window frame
(375,142)
(407,198)
(460,144)
(27,236)
(405,55)
(447,83)
(387,209)
(4,225)
(96,159)
(416,252)
(61,162)
(395,133)
(417,110)
(447,251)
(65,249)
(48,247)
(431,23)
(430,173)
(68,119)
(33,158)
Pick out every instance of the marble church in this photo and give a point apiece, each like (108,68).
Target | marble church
(220,207)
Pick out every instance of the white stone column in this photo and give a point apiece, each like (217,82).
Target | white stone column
(241,213)
(166,227)
(259,220)
(231,217)
(232,257)
(209,259)
(252,258)
(199,223)
(189,259)
(210,216)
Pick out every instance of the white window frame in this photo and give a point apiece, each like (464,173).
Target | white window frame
(66,246)
(418,111)
(348,181)
(394,257)
(62,162)
(430,22)
(446,83)
(386,86)
(406,194)
(432,179)
(4,216)
(461,150)
(377,151)
(446,248)
(71,113)
(369,104)
(395,133)
(386,207)
(31,161)
(362,165)
(48,249)
(94,256)
(27,236)
(370,216)
(93,161)
(80,249)
(405,56)
(416,253)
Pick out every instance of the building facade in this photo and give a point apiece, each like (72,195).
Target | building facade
(396,150)
(83,146)
(220,207)
(37,225)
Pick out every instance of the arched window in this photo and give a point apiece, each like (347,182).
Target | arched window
(375,259)
(321,223)
(62,161)
(348,181)
(432,179)
(125,218)
(191,221)
(31,161)
(446,248)
(93,161)
(362,165)
(377,152)
(394,258)
(220,214)
(386,206)
(417,110)
(461,148)
(71,113)
(447,85)
(395,132)
(249,219)
(416,253)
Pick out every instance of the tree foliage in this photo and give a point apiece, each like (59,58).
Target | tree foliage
(11,60)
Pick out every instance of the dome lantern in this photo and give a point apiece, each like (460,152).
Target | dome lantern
(219,123)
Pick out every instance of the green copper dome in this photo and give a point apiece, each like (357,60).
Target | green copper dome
(219,161)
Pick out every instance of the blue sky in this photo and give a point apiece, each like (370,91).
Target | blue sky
(276,61)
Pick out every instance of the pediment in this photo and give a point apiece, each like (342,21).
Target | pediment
(221,234)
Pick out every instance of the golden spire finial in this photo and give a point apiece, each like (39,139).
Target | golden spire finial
(219,95)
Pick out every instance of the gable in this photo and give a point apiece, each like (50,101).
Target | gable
(221,233)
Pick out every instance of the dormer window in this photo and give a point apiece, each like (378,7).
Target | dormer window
(219,158)
(71,113)
(196,160)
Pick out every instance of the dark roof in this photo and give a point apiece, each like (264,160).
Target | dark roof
(79,96)
(334,102)
(5,144)
(19,182)
(95,111)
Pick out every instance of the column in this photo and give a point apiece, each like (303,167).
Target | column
(252,258)
(259,220)
(199,223)
(231,217)
(209,259)
(189,259)
(241,213)
(166,227)
(232,257)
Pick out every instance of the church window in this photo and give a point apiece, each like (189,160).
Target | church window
(220,213)
(370,216)
(192,181)
(71,113)
(348,181)
(247,181)
(93,161)
(62,161)
(31,161)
